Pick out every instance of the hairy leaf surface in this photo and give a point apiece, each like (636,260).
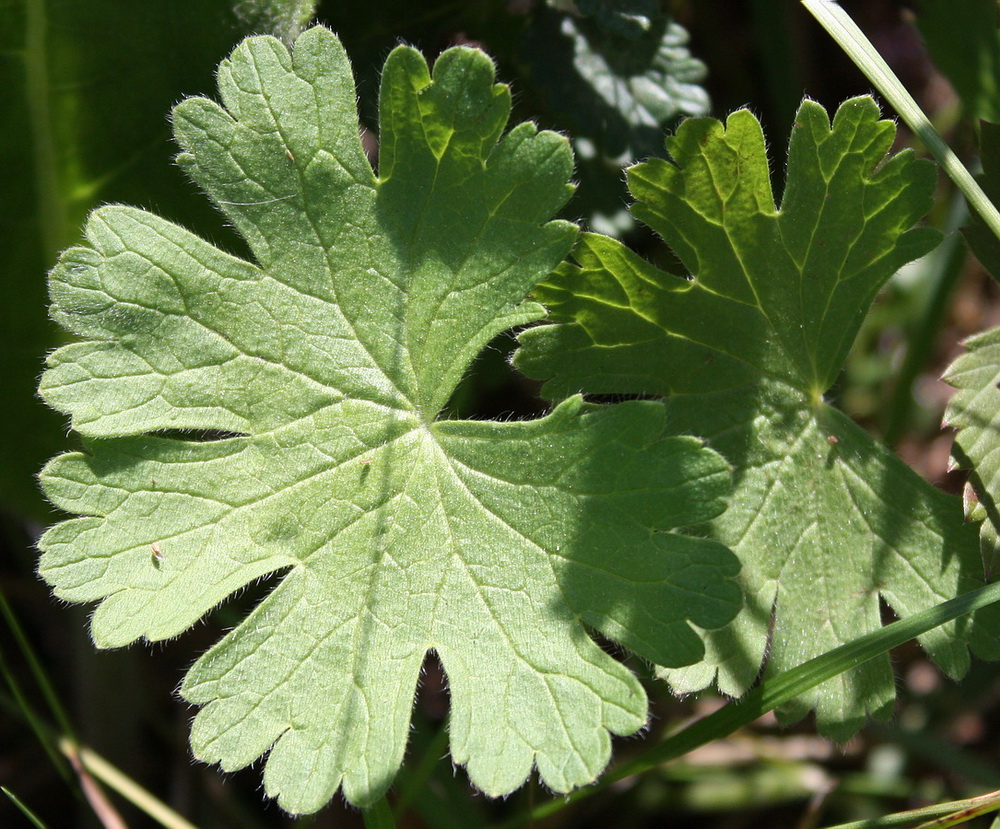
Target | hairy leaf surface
(824,519)
(316,376)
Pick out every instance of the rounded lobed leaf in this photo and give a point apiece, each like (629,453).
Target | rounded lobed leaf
(313,379)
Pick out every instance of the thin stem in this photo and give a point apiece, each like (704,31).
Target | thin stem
(38,672)
(42,732)
(24,810)
(115,779)
(941,814)
(379,816)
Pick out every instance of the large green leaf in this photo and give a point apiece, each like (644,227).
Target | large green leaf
(823,518)
(316,376)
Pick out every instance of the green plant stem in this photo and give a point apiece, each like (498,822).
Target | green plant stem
(42,732)
(22,704)
(422,773)
(120,782)
(89,764)
(778,690)
(38,672)
(379,816)
(991,805)
(24,810)
(50,208)
(77,775)
(852,40)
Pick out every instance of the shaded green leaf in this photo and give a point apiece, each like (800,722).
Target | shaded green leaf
(825,520)
(616,90)
(631,18)
(316,375)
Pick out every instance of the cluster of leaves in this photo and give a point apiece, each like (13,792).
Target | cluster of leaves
(283,414)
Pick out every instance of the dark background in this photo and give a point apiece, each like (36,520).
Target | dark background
(84,101)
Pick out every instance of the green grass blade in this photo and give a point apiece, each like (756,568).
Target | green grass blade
(852,40)
(22,808)
(941,814)
(86,766)
(42,732)
(114,778)
(38,672)
(779,689)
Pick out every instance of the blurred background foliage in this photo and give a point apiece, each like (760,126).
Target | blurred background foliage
(85,92)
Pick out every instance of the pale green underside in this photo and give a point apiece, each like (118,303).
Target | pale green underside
(314,377)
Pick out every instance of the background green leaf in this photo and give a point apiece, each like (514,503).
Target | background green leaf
(617,88)
(281,18)
(615,76)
